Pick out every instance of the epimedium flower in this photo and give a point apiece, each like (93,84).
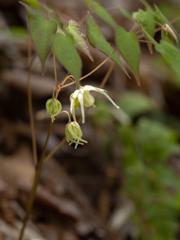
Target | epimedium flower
(74,134)
(53,107)
(83,98)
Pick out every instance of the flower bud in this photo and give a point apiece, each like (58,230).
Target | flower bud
(53,107)
(73,134)
(88,99)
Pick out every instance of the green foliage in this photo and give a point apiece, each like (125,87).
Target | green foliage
(146,147)
(157,141)
(41,31)
(125,13)
(170,53)
(129,47)
(33,3)
(134,103)
(148,7)
(102,13)
(147,144)
(97,40)
(146,21)
(163,18)
(75,31)
(66,54)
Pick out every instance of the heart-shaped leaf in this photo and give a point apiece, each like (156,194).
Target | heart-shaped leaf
(170,53)
(75,31)
(66,54)
(102,13)
(146,21)
(41,31)
(129,47)
(97,40)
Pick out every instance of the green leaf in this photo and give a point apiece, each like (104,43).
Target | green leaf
(134,103)
(146,21)
(129,47)
(163,18)
(33,3)
(41,31)
(102,13)
(52,15)
(60,23)
(75,31)
(170,53)
(97,40)
(125,13)
(66,54)
(151,10)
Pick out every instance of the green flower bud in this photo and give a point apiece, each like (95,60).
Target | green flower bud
(73,134)
(88,99)
(53,107)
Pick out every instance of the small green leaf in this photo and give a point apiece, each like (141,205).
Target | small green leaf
(125,13)
(66,54)
(33,3)
(146,21)
(75,31)
(41,31)
(129,47)
(170,53)
(97,40)
(102,13)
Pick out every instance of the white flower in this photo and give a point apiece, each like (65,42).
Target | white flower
(73,134)
(82,97)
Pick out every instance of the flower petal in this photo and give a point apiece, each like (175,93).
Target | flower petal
(80,98)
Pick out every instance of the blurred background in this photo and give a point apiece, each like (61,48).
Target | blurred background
(125,183)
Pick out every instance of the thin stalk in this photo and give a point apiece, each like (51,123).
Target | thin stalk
(35,184)
(69,84)
(30,106)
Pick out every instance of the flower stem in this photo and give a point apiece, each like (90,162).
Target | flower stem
(35,184)
(30,104)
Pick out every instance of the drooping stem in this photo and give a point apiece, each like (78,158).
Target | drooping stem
(35,184)
(30,105)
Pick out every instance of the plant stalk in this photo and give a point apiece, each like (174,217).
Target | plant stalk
(35,184)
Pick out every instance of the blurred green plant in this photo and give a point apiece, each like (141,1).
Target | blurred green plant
(149,181)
